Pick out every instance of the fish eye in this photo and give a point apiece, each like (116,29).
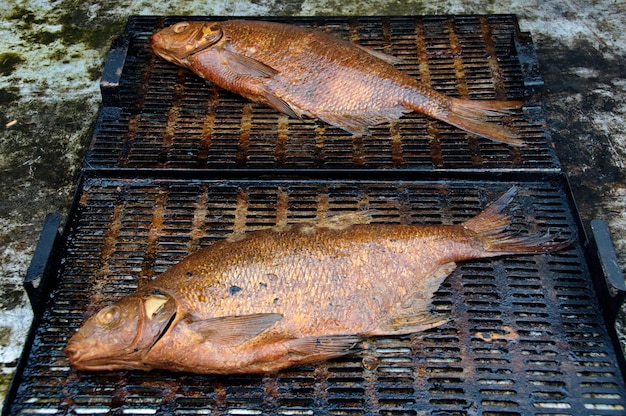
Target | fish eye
(108,315)
(180,27)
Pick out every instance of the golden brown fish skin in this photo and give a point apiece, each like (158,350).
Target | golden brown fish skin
(300,72)
(266,300)
(311,275)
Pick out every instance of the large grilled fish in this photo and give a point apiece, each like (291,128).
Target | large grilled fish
(304,72)
(266,300)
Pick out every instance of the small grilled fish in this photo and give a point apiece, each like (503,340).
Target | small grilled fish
(304,72)
(266,300)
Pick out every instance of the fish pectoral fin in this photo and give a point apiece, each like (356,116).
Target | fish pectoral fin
(234,330)
(326,345)
(245,66)
(409,324)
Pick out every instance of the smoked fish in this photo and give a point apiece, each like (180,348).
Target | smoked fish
(305,72)
(265,300)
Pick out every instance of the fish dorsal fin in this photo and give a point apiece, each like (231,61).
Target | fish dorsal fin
(234,330)
(335,222)
(245,66)
(326,346)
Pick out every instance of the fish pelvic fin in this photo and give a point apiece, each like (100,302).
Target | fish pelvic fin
(492,227)
(473,116)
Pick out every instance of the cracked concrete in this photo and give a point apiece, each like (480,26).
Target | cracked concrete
(53,53)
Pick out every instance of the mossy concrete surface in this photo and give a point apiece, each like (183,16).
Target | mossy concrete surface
(52,53)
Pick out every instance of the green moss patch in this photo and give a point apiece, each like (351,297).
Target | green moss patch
(8,62)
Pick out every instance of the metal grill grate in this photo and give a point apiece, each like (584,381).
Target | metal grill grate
(172,167)
(526,335)
(168,118)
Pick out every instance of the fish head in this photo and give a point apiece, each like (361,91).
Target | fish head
(120,335)
(175,43)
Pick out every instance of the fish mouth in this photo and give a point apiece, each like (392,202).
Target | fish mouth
(106,365)
(80,360)
(157,45)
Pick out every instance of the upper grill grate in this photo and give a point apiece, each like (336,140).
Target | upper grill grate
(168,118)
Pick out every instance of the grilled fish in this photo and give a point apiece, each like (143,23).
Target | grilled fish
(266,300)
(304,72)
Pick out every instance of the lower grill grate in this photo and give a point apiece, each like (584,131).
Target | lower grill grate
(526,335)
(165,117)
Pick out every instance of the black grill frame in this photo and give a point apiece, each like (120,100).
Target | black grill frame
(527,334)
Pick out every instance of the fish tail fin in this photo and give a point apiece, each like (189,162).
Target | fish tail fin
(492,226)
(473,116)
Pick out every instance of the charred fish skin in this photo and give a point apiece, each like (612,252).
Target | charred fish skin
(305,72)
(266,300)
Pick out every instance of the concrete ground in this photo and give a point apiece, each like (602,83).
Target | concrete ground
(51,56)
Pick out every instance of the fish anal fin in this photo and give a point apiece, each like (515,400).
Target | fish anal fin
(410,323)
(325,346)
(440,274)
(414,315)
(233,330)
(420,301)
(359,122)
(349,124)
